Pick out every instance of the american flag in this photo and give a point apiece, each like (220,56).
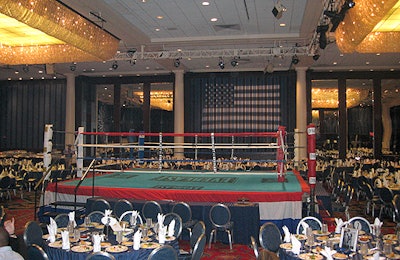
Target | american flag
(229,107)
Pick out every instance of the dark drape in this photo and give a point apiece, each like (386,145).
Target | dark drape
(26,106)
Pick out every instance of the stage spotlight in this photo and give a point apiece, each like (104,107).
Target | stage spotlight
(177,63)
(322,29)
(316,57)
(72,67)
(25,68)
(114,65)
(234,62)
(350,3)
(278,10)
(295,59)
(221,64)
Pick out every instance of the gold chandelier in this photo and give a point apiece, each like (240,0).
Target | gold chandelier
(370,27)
(46,31)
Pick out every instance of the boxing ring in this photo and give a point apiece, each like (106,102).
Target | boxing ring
(194,167)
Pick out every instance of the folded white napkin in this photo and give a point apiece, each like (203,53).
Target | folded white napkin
(286,239)
(339,225)
(376,227)
(171,228)
(107,212)
(162,232)
(65,239)
(71,216)
(136,240)
(133,217)
(296,245)
(376,256)
(52,234)
(305,226)
(160,219)
(97,243)
(327,252)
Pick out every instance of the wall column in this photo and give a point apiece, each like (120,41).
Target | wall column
(179,112)
(300,152)
(70,109)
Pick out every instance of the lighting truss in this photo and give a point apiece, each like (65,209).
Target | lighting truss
(201,54)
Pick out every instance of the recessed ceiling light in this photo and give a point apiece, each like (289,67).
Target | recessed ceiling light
(282,24)
(334,63)
(205,3)
(147,68)
(160,17)
(391,69)
(371,70)
(214,19)
(40,71)
(341,54)
(367,62)
(189,58)
(179,50)
(378,54)
(157,29)
(207,66)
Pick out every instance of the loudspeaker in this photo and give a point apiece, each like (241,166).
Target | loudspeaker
(50,69)
(278,10)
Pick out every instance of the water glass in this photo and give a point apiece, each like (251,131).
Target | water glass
(387,248)
(77,234)
(364,249)
(119,237)
(149,222)
(87,221)
(324,228)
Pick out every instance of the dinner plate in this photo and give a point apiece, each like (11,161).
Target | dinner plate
(322,238)
(320,233)
(117,249)
(390,237)
(82,229)
(339,256)
(310,256)
(364,238)
(300,236)
(149,245)
(387,241)
(46,236)
(105,244)
(81,248)
(168,238)
(100,226)
(317,250)
(73,240)
(393,256)
(56,244)
(287,246)
(127,243)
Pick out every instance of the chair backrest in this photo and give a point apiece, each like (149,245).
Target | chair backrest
(254,246)
(198,229)
(100,256)
(163,253)
(126,216)
(100,205)
(178,223)
(312,222)
(220,215)
(35,252)
(96,216)
(62,220)
(122,206)
(360,223)
(33,234)
(5,182)
(386,195)
(183,210)
(396,206)
(151,209)
(199,247)
(270,237)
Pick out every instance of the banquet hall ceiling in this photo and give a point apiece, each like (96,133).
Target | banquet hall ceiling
(154,34)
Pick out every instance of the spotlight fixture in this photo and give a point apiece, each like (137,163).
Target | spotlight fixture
(177,63)
(72,67)
(295,59)
(25,68)
(316,56)
(278,10)
(234,62)
(130,52)
(322,29)
(114,66)
(221,64)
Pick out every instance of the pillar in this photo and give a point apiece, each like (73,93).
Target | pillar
(300,151)
(70,109)
(179,112)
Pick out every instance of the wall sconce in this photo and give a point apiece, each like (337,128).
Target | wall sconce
(221,64)
(72,67)
(234,62)
(295,59)
(114,66)
(177,63)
